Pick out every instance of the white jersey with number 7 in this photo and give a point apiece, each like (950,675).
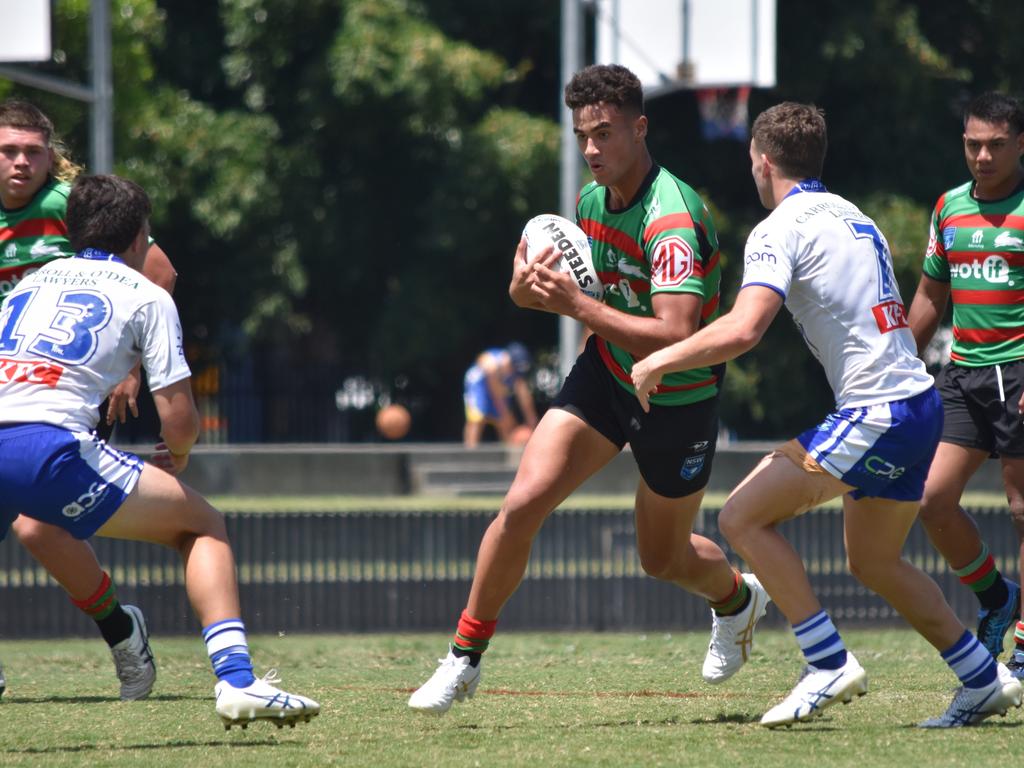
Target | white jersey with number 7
(832,266)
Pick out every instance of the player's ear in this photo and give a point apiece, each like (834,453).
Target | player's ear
(640,128)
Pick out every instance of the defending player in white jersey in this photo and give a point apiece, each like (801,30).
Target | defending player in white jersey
(830,265)
(69,333)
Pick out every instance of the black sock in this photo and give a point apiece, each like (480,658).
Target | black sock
(473,656)
(117,626)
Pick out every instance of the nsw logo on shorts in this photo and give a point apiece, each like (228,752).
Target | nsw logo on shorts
(86,501)
(692,465)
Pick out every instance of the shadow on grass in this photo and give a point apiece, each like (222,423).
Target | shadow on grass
(81,748)
(726,718)
(14,701)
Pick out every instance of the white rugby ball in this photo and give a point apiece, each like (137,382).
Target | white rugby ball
(571,242)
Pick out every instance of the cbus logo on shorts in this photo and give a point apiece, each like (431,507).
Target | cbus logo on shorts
(86,501)
(876,465)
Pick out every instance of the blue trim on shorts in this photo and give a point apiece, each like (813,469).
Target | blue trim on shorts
(895,464)
(46,474)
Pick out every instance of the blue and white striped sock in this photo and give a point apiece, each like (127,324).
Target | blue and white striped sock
(820,641)
(971,662)
(229,652)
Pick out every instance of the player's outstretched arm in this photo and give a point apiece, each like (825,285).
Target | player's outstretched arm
(179,424)
(728,337)
(927,309)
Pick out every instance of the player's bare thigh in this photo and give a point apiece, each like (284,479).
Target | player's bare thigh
(786,483)
(562,452)
(163,510)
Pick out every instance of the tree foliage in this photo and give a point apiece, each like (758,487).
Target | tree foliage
(341,183)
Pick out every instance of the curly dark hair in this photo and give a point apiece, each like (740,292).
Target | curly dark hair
(793,136)
(608,84)
(106,212)
(994,107)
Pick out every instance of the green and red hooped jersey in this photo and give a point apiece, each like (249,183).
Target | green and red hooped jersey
(977,246)
(33,235)
(664,242)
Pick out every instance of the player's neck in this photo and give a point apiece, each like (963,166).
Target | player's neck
(622,193)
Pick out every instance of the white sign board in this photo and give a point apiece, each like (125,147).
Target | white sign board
(690,43)
(25,30)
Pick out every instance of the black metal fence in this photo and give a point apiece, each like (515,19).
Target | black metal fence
(405,571)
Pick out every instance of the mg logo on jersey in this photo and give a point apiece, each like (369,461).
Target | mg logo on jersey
(889,316)
(86,501)
(672,262)
(978,239)
(876,465)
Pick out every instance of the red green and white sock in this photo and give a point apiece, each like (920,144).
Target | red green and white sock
(984,579)
(102,607)
(735,601)
(1018,636)
(472,637)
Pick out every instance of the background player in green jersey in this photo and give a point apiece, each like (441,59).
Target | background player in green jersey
(975,257)
(34,178)
(656,252)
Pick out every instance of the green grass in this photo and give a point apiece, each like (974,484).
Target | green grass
(546,699)
(342,504)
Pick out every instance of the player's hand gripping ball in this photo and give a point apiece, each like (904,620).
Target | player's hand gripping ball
(571,243)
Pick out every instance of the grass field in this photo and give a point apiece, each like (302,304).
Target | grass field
(343,504)
(546,699)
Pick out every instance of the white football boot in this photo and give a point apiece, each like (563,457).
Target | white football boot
(972,705)
(262,701)
(133,659)
(454,680)
(818,689)
(732,637)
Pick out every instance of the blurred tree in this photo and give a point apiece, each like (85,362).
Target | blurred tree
(341,183)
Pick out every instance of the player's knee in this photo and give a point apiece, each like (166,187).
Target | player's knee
(33,535)
(732,526)
(519,521)
(939,507)
(657,562)
(1017,515)
(869,570)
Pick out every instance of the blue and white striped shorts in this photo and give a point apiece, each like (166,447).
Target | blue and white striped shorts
(882,450)
(73,480)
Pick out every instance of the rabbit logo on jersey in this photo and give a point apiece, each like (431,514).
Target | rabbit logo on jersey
(86,501)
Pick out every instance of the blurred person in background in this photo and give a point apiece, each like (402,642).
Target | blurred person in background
(493,387)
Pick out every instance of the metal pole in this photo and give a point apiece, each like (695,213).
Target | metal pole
(572,62)
(102,88)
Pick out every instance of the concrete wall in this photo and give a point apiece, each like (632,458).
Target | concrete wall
(371,469)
